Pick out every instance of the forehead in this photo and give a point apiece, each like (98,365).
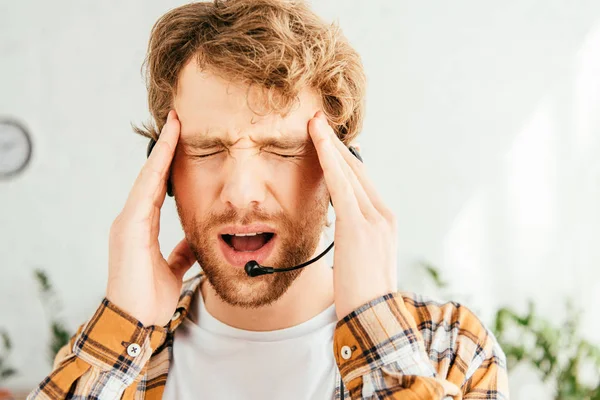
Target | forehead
(207,104)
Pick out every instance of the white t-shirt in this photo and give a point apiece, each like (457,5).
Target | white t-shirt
(212,360)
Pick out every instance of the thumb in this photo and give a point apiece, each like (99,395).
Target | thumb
(181,259)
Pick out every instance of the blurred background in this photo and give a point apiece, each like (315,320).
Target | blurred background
(482,133)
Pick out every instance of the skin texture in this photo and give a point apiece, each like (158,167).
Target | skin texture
(278,170)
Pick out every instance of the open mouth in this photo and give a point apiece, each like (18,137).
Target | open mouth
(248,242)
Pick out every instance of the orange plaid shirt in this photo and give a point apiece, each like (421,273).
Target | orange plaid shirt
(398,346)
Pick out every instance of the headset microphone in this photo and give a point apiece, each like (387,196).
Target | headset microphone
(253,268)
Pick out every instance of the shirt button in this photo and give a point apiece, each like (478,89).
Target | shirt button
(134,349)
(346,352)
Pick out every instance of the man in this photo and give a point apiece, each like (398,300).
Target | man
(256,102)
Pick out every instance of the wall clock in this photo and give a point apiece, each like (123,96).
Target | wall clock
(15,148)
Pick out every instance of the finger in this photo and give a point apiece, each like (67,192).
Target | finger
(148,191)
(181,258)
(360,172)
(340,188)
(364,202)
(366,206)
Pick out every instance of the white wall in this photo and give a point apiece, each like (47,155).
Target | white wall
(482,133)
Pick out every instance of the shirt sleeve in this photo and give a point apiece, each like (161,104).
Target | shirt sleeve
(106,356)
(381,353)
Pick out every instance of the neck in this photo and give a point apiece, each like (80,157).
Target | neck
(293,308)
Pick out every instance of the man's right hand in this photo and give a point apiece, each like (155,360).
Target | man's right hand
(140,280)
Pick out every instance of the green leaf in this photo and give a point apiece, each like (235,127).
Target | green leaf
(60,337)
(6,342)
(43,280)
(434,274)
(7,372)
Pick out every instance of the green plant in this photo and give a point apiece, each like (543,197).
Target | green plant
(6,371)
(556,351)
(59,333)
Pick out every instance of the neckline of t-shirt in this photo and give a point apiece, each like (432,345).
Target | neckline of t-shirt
(205,321)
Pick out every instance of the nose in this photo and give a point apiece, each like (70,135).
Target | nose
(244,185)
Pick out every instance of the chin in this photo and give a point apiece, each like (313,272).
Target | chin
(236,288)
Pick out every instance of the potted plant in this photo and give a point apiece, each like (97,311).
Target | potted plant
(59,334)
(557,352)
(6,371)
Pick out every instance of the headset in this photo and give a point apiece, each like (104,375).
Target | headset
(148,151)
(252,267)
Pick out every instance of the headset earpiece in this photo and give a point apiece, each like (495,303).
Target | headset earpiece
(148,151)
(150,147)
(355,153)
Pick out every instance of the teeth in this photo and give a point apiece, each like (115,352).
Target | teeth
(247,234)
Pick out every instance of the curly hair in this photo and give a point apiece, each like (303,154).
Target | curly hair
(280,45)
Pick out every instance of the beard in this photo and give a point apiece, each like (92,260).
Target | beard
(297,238)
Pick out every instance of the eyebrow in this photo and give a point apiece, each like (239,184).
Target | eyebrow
(204,142)
(285,143)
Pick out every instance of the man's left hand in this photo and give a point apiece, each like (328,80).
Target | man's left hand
(365,229)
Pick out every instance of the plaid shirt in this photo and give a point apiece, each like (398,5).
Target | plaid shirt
(398,346)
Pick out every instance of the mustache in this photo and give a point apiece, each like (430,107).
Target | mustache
(232,216)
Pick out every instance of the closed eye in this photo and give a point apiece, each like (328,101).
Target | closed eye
(284,155)
(207,155)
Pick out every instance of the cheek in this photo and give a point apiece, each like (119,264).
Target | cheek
(299,184)
(194,188)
